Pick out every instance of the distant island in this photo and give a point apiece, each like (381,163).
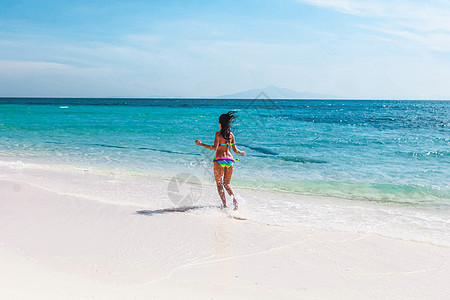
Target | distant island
(274,92)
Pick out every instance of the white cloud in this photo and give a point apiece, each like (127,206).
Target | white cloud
(425,22)
(436,41)
(349,6)
(17,65)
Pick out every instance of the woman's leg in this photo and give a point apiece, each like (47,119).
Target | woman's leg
(227,178)
(218,174)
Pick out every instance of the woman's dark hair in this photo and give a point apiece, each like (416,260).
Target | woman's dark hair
(225,121)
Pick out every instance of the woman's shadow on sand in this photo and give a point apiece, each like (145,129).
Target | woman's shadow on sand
(172,210)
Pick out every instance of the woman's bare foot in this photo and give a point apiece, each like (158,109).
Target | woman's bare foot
(236,206)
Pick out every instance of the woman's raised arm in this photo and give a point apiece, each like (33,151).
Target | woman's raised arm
(209,147)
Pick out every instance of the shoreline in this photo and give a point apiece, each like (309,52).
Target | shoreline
(105,250)
(348,190)
(266,207)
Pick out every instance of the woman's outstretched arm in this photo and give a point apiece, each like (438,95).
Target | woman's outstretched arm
(209,147)
(235,149)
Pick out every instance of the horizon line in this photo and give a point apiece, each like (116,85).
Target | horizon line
(207,98)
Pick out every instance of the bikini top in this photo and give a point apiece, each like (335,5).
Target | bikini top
(227,144)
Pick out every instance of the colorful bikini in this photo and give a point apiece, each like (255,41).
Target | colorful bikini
(225,162)
(227,144)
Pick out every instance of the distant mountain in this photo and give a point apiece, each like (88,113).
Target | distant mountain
(274,92)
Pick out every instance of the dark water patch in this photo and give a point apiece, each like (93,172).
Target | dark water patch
(301,159)
(54,143)
(382,122)
(295,159)
(110,146)
(260,149)
(258,155)
(167,151)
(144,148)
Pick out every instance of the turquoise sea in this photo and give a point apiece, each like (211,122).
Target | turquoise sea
(375,151)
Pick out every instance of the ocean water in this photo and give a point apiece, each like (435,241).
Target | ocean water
(387,151)
(379,166)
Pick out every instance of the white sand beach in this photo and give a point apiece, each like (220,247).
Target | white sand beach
(60,245)
(324,126)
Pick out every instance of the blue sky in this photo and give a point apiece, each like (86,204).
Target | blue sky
(346,48)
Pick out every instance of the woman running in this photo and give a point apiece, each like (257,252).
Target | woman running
(223,160)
